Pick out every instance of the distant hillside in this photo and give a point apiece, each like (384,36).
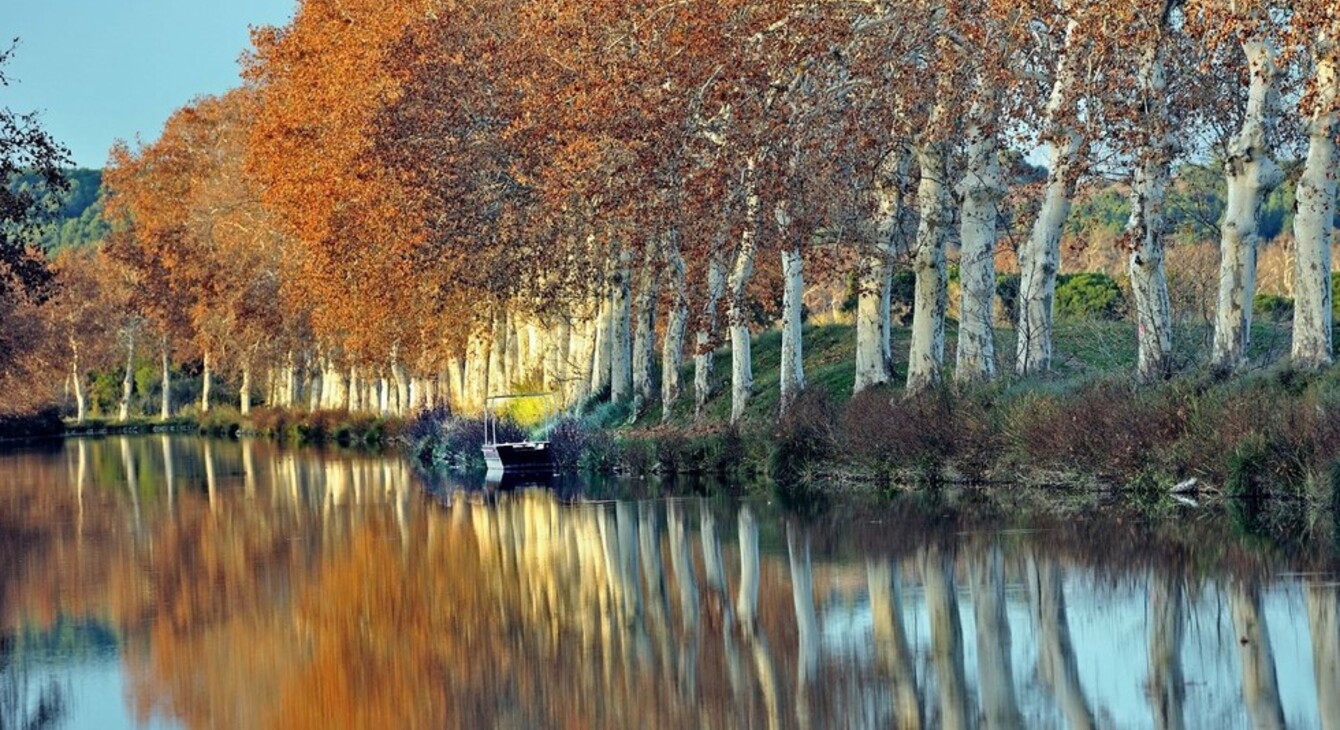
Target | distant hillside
(78,220)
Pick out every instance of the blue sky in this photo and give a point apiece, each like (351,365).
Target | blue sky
(101,70)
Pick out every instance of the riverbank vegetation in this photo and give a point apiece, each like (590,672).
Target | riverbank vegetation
(836,238)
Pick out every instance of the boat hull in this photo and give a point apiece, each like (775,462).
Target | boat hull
(526,457)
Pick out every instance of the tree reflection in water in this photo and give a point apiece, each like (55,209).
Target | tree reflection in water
(256,587)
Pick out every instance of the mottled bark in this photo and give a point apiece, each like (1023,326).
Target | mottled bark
(705,341)
(742,365)
(206,383)
(1040,256)
(980,192)
(1315,215)
(1251,175)
(676,323)
(166,411)
(793,358)
(1145,229)
(925,358)
(874,361)
(128,381)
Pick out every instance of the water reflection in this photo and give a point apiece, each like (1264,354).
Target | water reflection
(242,585)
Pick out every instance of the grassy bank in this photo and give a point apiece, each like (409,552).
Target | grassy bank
(1269,432)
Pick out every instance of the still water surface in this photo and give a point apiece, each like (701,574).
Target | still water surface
(180,582)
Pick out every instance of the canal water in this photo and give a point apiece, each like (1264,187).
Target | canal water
(168,581)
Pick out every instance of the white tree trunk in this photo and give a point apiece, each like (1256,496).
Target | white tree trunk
(644,331)
(1315,216)
(244,393)
(677,321)
(1145,229)
(401,393)
(926,356)
(742,364)
(705,341)
(793,356)
(166,411)
(1251,174)
(355,402)
(313,386)
(621,366)
(384,396)
(206,382)
(602,355)
(127,382)
(980,190)
(874,356)
(497,360)
(81,406)
(1040,256)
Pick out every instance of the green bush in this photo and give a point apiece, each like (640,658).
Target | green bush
(1007,288)
(1272,307)
(1089,296)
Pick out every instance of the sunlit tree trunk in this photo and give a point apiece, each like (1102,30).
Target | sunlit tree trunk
(401,405)
(314,384)
(1145,229)
(1260,690)
(980,190)
(128,381)
(1314,218)
(946,639)
(742,364)
(621,366)
(77,379)
(705,341)
(206,381)
(644,330)
(793,356)
(496,384)
(166,411)
(676,323)
(892,649)
(1167,688)
(1040,256)
(1251,175)
(874,363)
(925,359)
(603,354)
(1323,614)
(995,673)
(244,392)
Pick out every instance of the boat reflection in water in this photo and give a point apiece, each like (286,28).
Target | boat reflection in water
(223,584)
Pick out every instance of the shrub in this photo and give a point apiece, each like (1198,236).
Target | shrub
(1089,296)
(568,443)
(1007,291)
(1272,307)
(46,422)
